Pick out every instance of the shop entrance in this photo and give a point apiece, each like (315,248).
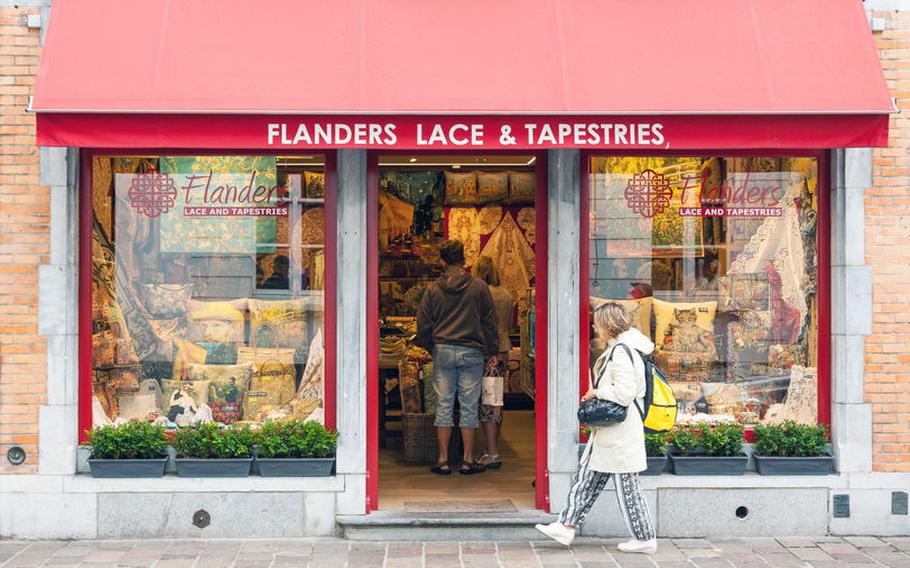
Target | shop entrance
(495,205)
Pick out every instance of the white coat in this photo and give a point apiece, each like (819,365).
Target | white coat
(620,447)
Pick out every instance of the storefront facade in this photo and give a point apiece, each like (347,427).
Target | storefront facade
(735,236)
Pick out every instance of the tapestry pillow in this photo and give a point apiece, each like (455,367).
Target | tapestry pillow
(492,187)
(744,292)
(685,327)
(522,187)
(219,353)
(228,382)
(215,321)
(461,189)
(182,399)
(315,185)
(186,353)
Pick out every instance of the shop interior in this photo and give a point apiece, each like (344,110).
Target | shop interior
(488,203)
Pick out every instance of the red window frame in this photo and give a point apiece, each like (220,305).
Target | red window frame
(542,483)
(85,392)
(823,237)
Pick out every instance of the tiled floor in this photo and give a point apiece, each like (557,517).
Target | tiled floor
(825,552)
(399,482)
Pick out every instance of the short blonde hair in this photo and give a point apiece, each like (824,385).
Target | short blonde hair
(612,318)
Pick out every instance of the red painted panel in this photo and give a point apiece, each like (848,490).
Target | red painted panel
(608,132)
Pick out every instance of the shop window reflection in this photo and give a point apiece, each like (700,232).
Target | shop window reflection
(715,259)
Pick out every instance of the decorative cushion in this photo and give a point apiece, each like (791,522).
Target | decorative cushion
(166,330)
(262,355)
(219,353)
(228,382)
(744,292)
(522,187)
(104,348)
(288,324)
(461,189)
(181,399)
(639,311)
(215,321)
(315,184)
(492,187)
(163,300)
(185,354)
(143,404)
(685,327)
(273,383)
(685,367)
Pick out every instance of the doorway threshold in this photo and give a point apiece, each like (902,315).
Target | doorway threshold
(398,524)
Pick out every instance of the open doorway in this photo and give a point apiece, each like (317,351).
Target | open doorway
(495,205)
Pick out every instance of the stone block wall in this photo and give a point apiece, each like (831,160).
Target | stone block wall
(887,228)
(24,242)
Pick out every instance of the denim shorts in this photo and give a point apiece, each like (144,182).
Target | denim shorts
(457,370)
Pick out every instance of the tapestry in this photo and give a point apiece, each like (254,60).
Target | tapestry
(512,256)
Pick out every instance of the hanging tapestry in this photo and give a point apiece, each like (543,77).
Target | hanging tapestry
(461,189)
(463,226)
(512,256)
(522,187)
(488,218)
(217,181)
(492,187)
(315,185)
(396,217)
(527,220)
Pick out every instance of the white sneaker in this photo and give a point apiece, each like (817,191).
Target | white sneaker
(558,532)
(642,546)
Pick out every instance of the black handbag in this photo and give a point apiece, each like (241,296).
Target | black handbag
(597,412)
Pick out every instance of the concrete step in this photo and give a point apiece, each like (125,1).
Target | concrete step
(456,527)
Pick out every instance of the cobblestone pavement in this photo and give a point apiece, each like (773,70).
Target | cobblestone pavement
(823,552)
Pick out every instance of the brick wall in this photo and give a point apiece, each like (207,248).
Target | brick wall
(888,253)
(24,243)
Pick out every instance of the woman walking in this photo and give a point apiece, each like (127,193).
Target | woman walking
(616,450)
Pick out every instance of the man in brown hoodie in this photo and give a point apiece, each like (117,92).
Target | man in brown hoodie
(456,322)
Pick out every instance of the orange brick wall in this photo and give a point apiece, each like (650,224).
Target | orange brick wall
(24,244)
(888,253)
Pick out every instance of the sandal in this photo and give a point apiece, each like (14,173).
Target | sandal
(490,461)
(441,469)
(471,468)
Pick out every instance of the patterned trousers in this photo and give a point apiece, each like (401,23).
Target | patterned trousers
(587,487)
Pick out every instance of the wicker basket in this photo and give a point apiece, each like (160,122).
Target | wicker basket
(419,434)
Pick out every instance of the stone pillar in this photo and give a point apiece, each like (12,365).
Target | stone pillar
(851,310)
(563,254)
(351,329)
(58,315)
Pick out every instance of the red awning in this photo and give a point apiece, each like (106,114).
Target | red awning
(585,59)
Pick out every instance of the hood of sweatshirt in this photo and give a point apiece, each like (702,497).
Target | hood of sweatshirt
(636,340)
(454,281)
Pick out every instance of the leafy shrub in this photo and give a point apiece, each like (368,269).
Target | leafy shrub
(209,441)
(656,445)
(790,439)
(685,439)
(296,439)
(725,439)
(133,440)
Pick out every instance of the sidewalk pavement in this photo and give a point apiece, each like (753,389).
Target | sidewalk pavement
(788,552)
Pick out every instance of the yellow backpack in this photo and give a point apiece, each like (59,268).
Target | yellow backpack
(659,413)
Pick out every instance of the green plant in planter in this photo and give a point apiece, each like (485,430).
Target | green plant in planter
(685,439)
(296,439)
(790,439)
(656,445)
(724,439)
(209,441)
(134,440)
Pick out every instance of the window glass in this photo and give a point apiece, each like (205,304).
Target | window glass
(207,302)
(714,258)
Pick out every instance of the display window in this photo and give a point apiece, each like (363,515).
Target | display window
(716,260)
(208,288)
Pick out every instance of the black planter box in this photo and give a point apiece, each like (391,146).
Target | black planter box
(127,468)
(656,465)
(295,467)
(189,467)
(772,465)
(709,465)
